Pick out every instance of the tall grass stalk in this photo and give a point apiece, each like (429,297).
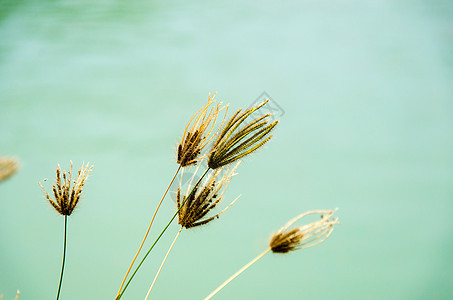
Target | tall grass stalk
(237,274)
(157,239)
(287,240)
(147,232)
(66,196)
(64,255)
(163,262)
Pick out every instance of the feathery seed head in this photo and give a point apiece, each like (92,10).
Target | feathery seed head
(8,166)
(236,141)
(65,196)
(204,198)
(311,234)
(197,133)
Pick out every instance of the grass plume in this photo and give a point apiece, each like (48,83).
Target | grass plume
(8,166)
(287,240)
(238,139)
(198,133)
(193,207)
(67,194)
(196,204)
(309,235)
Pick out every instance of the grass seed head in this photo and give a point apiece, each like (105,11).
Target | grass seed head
(238,139)
(205,197)
(305,236)
(198,132)
(66,197)
(8,166)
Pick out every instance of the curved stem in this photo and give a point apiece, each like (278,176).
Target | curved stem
(147,232)
(160,235)
(163,262)
(236,274)
(64,255)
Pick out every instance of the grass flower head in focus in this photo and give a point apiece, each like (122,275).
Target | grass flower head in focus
(198,133)
(239,138)
(204,197)
(305,236)
(287,240)
(66,197)
(67,192)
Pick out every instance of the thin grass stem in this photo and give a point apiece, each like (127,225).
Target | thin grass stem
(163,262)
(236,274)
(147,232)
(64,255)
(160,235)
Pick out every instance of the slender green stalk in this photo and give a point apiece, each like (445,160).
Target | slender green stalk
(163,262)
(160,235)
(147,232)
(64,255)
(237,274)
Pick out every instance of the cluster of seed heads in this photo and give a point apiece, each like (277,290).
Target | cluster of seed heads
(238,138)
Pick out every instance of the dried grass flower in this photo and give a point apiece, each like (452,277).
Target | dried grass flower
(67,194)
(66,197)
(205,196)
(198,133)
(196,204)
(238,139)
(286,240)
(8,166)
(305,236)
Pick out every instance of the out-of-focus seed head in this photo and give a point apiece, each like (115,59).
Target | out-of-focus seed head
(8,166)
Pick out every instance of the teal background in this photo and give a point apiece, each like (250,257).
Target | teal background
(367,91)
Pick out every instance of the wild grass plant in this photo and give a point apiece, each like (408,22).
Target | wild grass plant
(217,144)
(232,141)
(286,240)
(66,196)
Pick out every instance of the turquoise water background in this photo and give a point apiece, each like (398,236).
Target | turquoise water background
(367,93)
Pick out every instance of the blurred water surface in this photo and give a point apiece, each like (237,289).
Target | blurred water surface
(367,92)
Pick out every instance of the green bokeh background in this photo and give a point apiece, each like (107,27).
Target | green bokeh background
(367,91)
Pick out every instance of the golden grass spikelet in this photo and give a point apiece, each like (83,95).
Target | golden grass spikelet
(198,133)
(286,240)
(203,199)
(67,197)
(8,166)
(235,142)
